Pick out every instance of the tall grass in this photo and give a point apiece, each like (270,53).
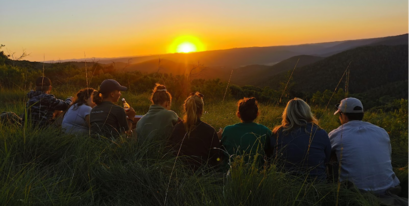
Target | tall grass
(46,167)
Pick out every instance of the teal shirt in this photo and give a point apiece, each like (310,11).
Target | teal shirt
(245,138)
(157,123)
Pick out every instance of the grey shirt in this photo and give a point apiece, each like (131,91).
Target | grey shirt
(158,122)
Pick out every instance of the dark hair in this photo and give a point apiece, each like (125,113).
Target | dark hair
(354,116)
(82,96)
(160,95)
(248,109)
(43,84)
(99,97)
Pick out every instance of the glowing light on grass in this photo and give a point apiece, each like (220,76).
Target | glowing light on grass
(186,44)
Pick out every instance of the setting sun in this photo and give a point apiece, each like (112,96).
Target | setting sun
(186,48)
(186,44)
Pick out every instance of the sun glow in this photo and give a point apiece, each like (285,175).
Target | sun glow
(186,44)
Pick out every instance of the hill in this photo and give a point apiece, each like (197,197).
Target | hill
(239,57)
(257,74)
(371,66)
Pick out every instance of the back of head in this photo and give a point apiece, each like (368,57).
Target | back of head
(43,84)
(193,107)
(297,113)
(160,95)
(351,107)
(248,109)
(82,96)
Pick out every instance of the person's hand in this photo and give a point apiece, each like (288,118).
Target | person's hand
(219,133)
(130,113)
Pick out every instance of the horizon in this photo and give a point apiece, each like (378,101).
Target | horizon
(82,30)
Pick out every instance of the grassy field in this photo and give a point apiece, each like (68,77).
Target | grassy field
(45,167)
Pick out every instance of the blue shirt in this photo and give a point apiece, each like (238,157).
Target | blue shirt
(303,150)
(74,119)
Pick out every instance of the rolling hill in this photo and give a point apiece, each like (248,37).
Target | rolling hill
(371,66)
(257,74)
(239,57)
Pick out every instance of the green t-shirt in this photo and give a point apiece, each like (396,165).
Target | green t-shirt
(157,123)
(246,139)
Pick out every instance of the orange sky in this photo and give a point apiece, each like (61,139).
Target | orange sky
(67,30)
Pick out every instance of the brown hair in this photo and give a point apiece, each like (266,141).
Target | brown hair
(82,96)
(248,109)
(160,95)
(98,97)
(296,113)
(193,107)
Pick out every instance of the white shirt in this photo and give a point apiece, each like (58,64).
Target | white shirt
(366,155)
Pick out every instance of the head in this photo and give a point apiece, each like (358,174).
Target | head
(84,96)
(247,109)
(109,90)
(160,96)
(350,109)
(193,107)
(297,113)
(43,84)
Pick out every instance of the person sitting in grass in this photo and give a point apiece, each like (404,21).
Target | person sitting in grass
(299,145)
(363,151)
(160,120)
(42,106)
(107,118)
(76,119)
(247,138)
(194,138)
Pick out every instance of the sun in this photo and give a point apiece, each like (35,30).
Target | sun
(186,44)
(186,47)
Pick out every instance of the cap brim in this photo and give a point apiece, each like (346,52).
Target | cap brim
(122,88)
(336,112)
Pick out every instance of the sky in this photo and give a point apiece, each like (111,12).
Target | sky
(57,30)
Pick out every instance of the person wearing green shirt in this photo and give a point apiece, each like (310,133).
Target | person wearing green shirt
(247,139)
(158,123)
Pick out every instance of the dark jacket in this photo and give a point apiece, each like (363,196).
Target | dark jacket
(41,106)
(202,146)
(302,151)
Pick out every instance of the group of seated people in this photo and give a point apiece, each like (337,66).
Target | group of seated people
(362,150)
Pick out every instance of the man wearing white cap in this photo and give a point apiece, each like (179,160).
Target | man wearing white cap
(363,150)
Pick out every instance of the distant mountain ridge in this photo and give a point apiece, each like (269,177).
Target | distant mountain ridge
(257,74)
(239,57)
(371,66)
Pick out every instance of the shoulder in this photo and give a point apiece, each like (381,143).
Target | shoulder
(266,129)
(206,126)
(335,132)
(169,113)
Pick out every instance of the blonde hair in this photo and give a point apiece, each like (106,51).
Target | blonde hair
(193,107)
(297,113)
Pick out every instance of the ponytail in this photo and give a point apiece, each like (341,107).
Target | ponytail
(193,106)
(98,97)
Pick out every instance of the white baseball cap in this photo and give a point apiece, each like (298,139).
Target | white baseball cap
(350,105)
